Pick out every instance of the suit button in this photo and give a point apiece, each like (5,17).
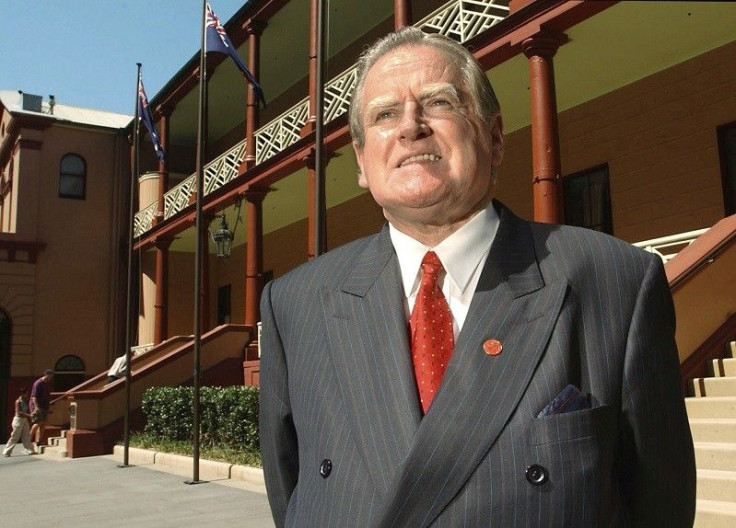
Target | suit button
(325,468)
(536,474)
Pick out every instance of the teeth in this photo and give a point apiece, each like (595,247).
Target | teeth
(421,157)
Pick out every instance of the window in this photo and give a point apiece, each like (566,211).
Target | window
(73,177)
(223,304)
(727,150)
(587,199)
(69,372)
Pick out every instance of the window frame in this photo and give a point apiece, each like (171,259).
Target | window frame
(606,224)
(68,174)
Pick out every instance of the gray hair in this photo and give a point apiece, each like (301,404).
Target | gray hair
(484,99)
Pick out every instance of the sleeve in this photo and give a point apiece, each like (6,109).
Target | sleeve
(279,447)
(657,462)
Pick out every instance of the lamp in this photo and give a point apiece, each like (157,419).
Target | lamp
(223,238)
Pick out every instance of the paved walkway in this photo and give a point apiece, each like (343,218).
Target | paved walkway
(40,491)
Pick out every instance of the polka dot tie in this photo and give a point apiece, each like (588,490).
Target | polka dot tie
(432,340)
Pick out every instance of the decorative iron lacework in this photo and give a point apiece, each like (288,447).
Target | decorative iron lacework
(460,20)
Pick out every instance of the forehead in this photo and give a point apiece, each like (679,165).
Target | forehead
(410,67)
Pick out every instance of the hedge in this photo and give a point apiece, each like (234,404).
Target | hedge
(228,415)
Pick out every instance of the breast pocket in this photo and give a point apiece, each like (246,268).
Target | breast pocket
(569,462)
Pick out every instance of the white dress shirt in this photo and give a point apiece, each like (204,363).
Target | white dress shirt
(462,255)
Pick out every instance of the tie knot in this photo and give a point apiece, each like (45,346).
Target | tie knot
(431,266)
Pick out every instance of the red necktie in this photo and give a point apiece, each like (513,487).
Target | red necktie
(432,340)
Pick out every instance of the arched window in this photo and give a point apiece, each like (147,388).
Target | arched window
(68,372)
(72,177)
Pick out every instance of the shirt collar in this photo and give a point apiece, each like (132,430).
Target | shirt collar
(460,253)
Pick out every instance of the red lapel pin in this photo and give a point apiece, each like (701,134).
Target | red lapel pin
(492,347)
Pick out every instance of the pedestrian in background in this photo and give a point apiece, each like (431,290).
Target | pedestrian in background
(40,403)
(21,425)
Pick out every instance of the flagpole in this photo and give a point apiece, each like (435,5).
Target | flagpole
(200,250)
(129,298)
(320,230)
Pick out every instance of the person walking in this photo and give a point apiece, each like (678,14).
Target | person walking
(40,403)
(21,425)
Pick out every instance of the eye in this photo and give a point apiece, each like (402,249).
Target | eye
(383,115)
(439,102)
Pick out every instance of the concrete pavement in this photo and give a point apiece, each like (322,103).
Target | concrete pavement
(41,491)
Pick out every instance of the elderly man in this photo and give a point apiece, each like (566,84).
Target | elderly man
(464,367)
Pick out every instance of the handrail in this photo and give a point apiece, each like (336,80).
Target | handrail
(459,19)
(658,245)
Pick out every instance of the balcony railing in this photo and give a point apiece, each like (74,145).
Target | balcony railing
(459,19)
(667,247)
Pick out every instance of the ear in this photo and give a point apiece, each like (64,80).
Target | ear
(497,138)
(362,180)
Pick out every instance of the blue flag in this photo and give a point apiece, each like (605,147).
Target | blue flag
(217,41)
(144,114)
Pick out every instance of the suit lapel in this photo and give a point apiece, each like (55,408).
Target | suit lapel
(368,337)
(479,392)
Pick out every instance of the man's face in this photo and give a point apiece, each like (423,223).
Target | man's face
(427,157)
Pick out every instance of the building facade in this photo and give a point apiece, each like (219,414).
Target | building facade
(62,241)
(618,116)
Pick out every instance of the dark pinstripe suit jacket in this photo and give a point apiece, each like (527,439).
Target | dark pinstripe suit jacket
(569,305)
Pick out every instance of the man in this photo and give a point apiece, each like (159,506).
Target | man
(559,402)
(40,403)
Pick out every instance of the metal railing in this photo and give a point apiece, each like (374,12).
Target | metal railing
(459,19)
(667,247)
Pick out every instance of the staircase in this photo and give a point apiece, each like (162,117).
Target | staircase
(56,446)
(712,414)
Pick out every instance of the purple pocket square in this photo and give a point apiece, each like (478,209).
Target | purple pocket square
(568,400)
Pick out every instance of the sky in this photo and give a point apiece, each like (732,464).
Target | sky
(84,52)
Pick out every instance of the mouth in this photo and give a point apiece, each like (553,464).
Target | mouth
(420,158)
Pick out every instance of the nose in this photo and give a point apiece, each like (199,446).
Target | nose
(412,125)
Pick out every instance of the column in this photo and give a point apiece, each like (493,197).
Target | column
(164,113)
(161,280)
(254,30)
(310,162)
(205,277)
(402,13)
(254,253)
(540,49)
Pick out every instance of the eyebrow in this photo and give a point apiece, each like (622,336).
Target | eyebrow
(433,90)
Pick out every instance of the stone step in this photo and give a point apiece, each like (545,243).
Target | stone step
(57,441)
(54,451)
(716,455)
(711,407)
(716,485)
(723,367)
(714,386)
(714,514)
(713,430)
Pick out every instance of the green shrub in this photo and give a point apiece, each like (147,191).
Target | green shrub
(228,415)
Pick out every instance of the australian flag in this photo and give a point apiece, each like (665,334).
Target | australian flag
(217,41)
(144,113)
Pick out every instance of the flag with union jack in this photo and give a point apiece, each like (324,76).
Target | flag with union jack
(217,41)
(144,114)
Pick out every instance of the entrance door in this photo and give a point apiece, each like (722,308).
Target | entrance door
(5,345)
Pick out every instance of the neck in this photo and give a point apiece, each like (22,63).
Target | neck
(430,232)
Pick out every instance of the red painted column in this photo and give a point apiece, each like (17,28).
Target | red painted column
(254,29)
(540,49)
(204,293)
(402,13)
(160,306)
(254,253)
(164,113)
